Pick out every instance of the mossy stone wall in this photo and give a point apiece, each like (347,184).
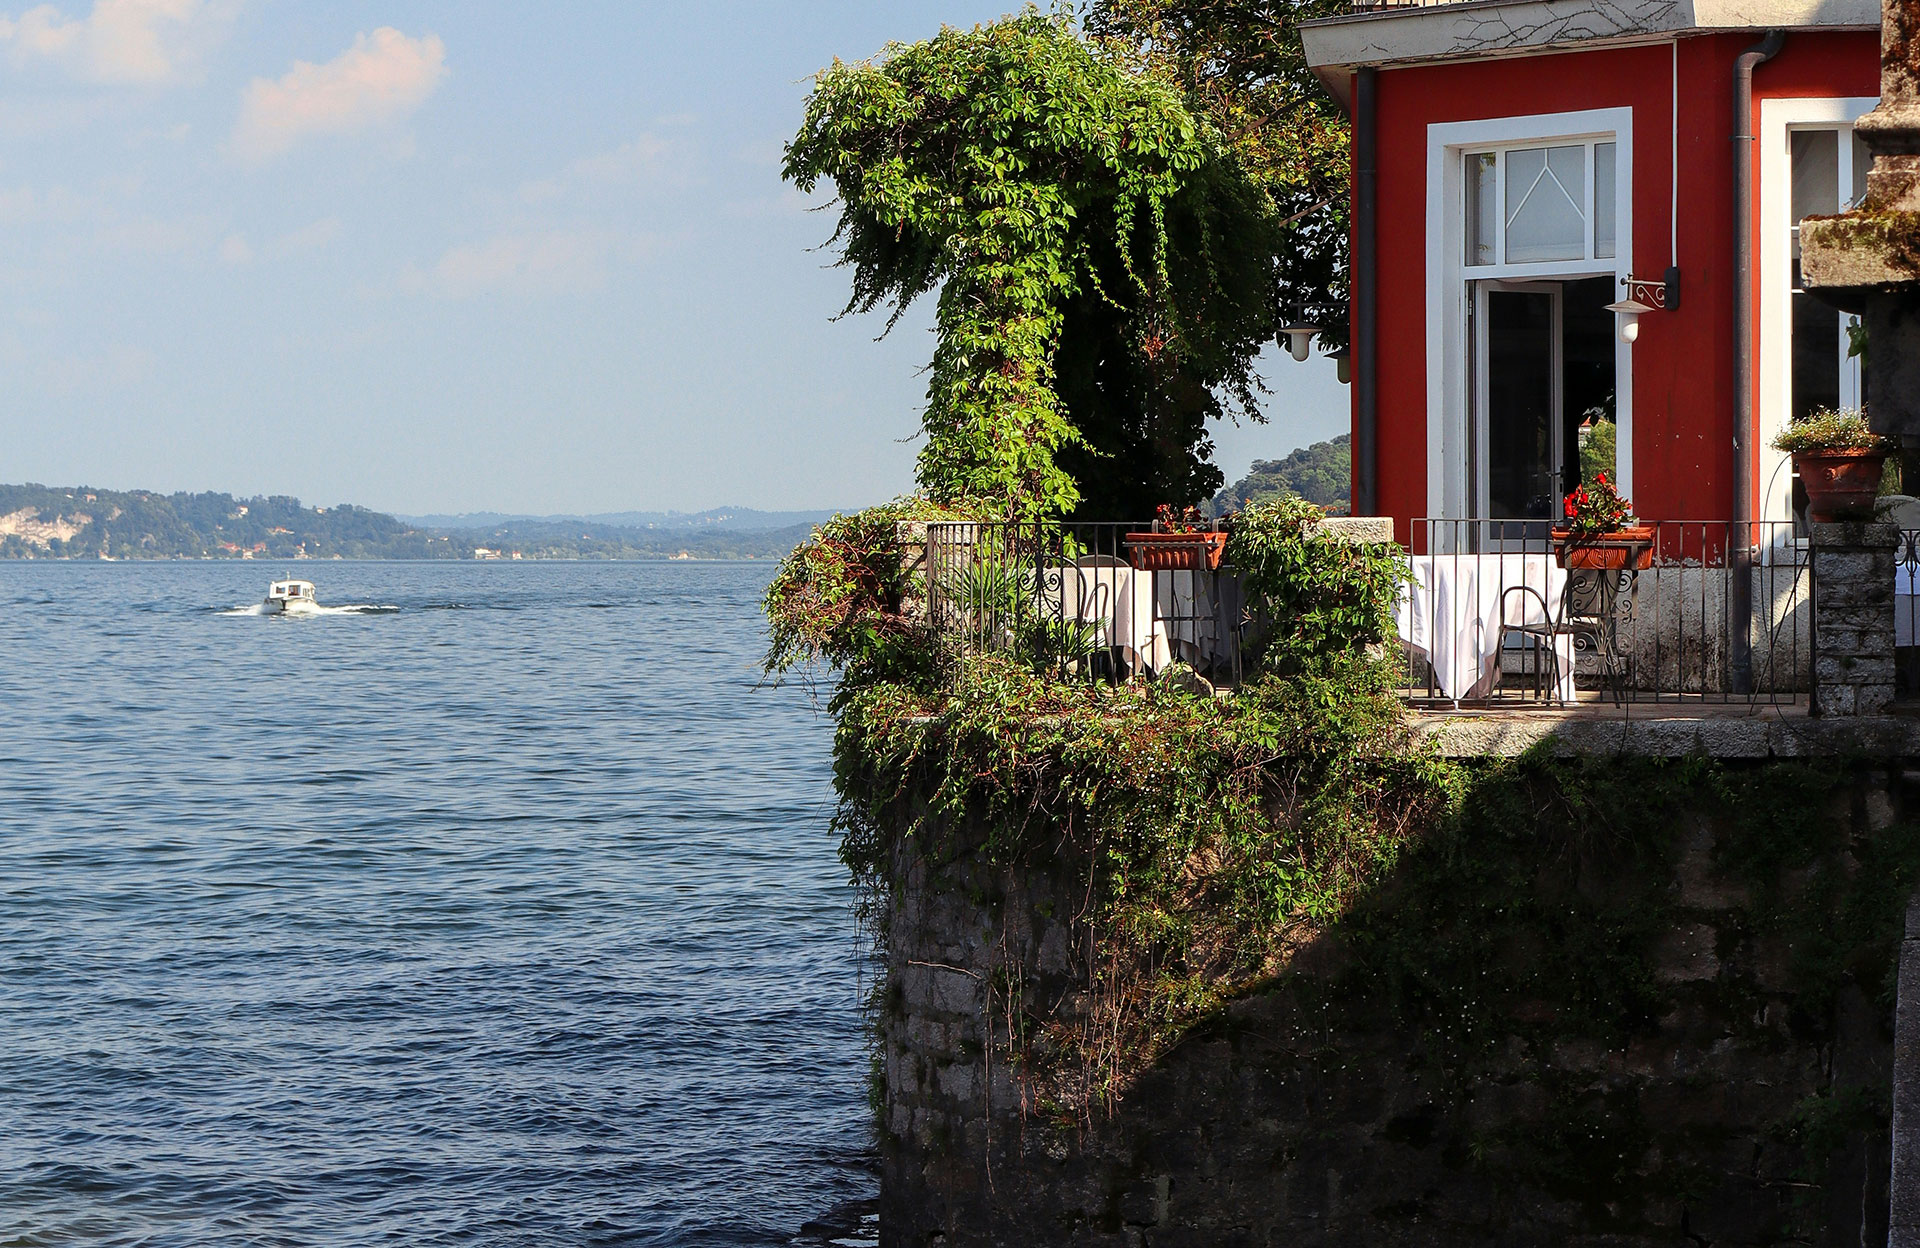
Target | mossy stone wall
(1614,1002)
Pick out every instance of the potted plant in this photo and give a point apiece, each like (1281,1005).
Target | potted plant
(1839,461)
(1600,531)
(1180,540)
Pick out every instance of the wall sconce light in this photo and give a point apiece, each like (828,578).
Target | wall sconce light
(1342,364)
(1645,296)
(1298,339)
(1629,310)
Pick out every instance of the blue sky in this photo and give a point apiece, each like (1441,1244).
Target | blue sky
(451,257)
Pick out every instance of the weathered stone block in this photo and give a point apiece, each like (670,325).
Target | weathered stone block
(1853,669)
(1361,530)
(1320,1112)
(1686,954)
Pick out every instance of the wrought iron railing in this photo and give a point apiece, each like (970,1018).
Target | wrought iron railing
(1906,615)
(1502,612)
(1493,613)
(1070,597)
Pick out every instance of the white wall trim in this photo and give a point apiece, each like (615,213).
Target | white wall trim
(1448,351)
(1774,373)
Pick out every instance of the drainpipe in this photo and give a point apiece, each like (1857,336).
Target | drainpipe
(1366,355)
(1740,605)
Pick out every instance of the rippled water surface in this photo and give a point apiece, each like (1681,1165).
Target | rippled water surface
(510,916)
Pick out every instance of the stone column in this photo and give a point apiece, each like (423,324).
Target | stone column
(1868,261)
(1853,565)
(912,537)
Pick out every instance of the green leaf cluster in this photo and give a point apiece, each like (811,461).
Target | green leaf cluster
(1071,211)
(1319,598)
(1240,65)
(1208,831)
(840,599)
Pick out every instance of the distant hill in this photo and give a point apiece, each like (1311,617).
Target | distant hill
(83,522)
(1321,473)
(738,518)
(585,539)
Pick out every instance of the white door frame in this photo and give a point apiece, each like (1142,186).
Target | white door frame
(1481,469)
(1450,356)
(1778,119)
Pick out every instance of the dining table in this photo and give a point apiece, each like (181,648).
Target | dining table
(1455,609)
(1152,618)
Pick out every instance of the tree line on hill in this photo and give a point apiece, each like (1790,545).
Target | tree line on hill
(83,522)
(1321,473)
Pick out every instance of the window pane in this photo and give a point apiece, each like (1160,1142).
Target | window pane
(1546,204)
(1603,157)
(1862,161)
(1483,202)
(1816,173)
(1522,479)
(1816,355)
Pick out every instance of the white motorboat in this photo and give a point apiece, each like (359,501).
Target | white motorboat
(289,598)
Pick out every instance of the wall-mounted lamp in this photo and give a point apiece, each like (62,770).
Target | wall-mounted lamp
(1298,339)
(1645,296)
(1629,310)
(1342,364)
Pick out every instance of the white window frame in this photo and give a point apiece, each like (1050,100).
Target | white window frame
(1450,357)
(1779,118)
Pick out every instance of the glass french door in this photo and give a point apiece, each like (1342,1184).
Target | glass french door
(1519,434)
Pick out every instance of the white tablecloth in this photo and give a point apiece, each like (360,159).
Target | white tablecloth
(1156,618)
(1452,612)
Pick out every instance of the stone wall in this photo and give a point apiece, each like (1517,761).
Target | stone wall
(1428,1071)
(1853,573)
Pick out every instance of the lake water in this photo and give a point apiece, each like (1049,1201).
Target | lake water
(507,917)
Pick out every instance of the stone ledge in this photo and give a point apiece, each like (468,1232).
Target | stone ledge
(1360,530)
(1861,250)
(1767,733)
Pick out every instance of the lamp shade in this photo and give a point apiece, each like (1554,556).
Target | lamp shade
(1629,311)
(1298,339)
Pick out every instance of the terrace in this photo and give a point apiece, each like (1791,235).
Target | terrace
(1493,618)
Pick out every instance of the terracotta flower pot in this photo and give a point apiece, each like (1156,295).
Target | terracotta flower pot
(1174,552)
(1628,547)
(1841,484)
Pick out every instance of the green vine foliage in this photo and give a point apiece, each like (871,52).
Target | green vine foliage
(840,599)
(1209,831)
(1024,175)
(1319,598)
(1240,64)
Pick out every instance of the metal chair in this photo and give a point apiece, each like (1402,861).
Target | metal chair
(1589,614)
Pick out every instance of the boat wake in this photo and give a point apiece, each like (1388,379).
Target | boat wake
(300,613)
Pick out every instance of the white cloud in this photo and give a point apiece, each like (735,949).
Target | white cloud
(142,42)
(548,263)
(383,77)
(150,237)
(308,237)
(646,161)
(56,206)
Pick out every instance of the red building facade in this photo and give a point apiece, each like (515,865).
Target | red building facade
(1529,157)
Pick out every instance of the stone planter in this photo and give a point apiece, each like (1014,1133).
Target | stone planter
(1629,547)
(1175,552)
(1841,483)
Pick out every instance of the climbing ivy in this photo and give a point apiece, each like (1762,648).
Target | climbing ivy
(1018,170)
(1317,597)
(1240,64)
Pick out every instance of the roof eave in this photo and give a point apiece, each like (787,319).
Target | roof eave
(1468,30)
